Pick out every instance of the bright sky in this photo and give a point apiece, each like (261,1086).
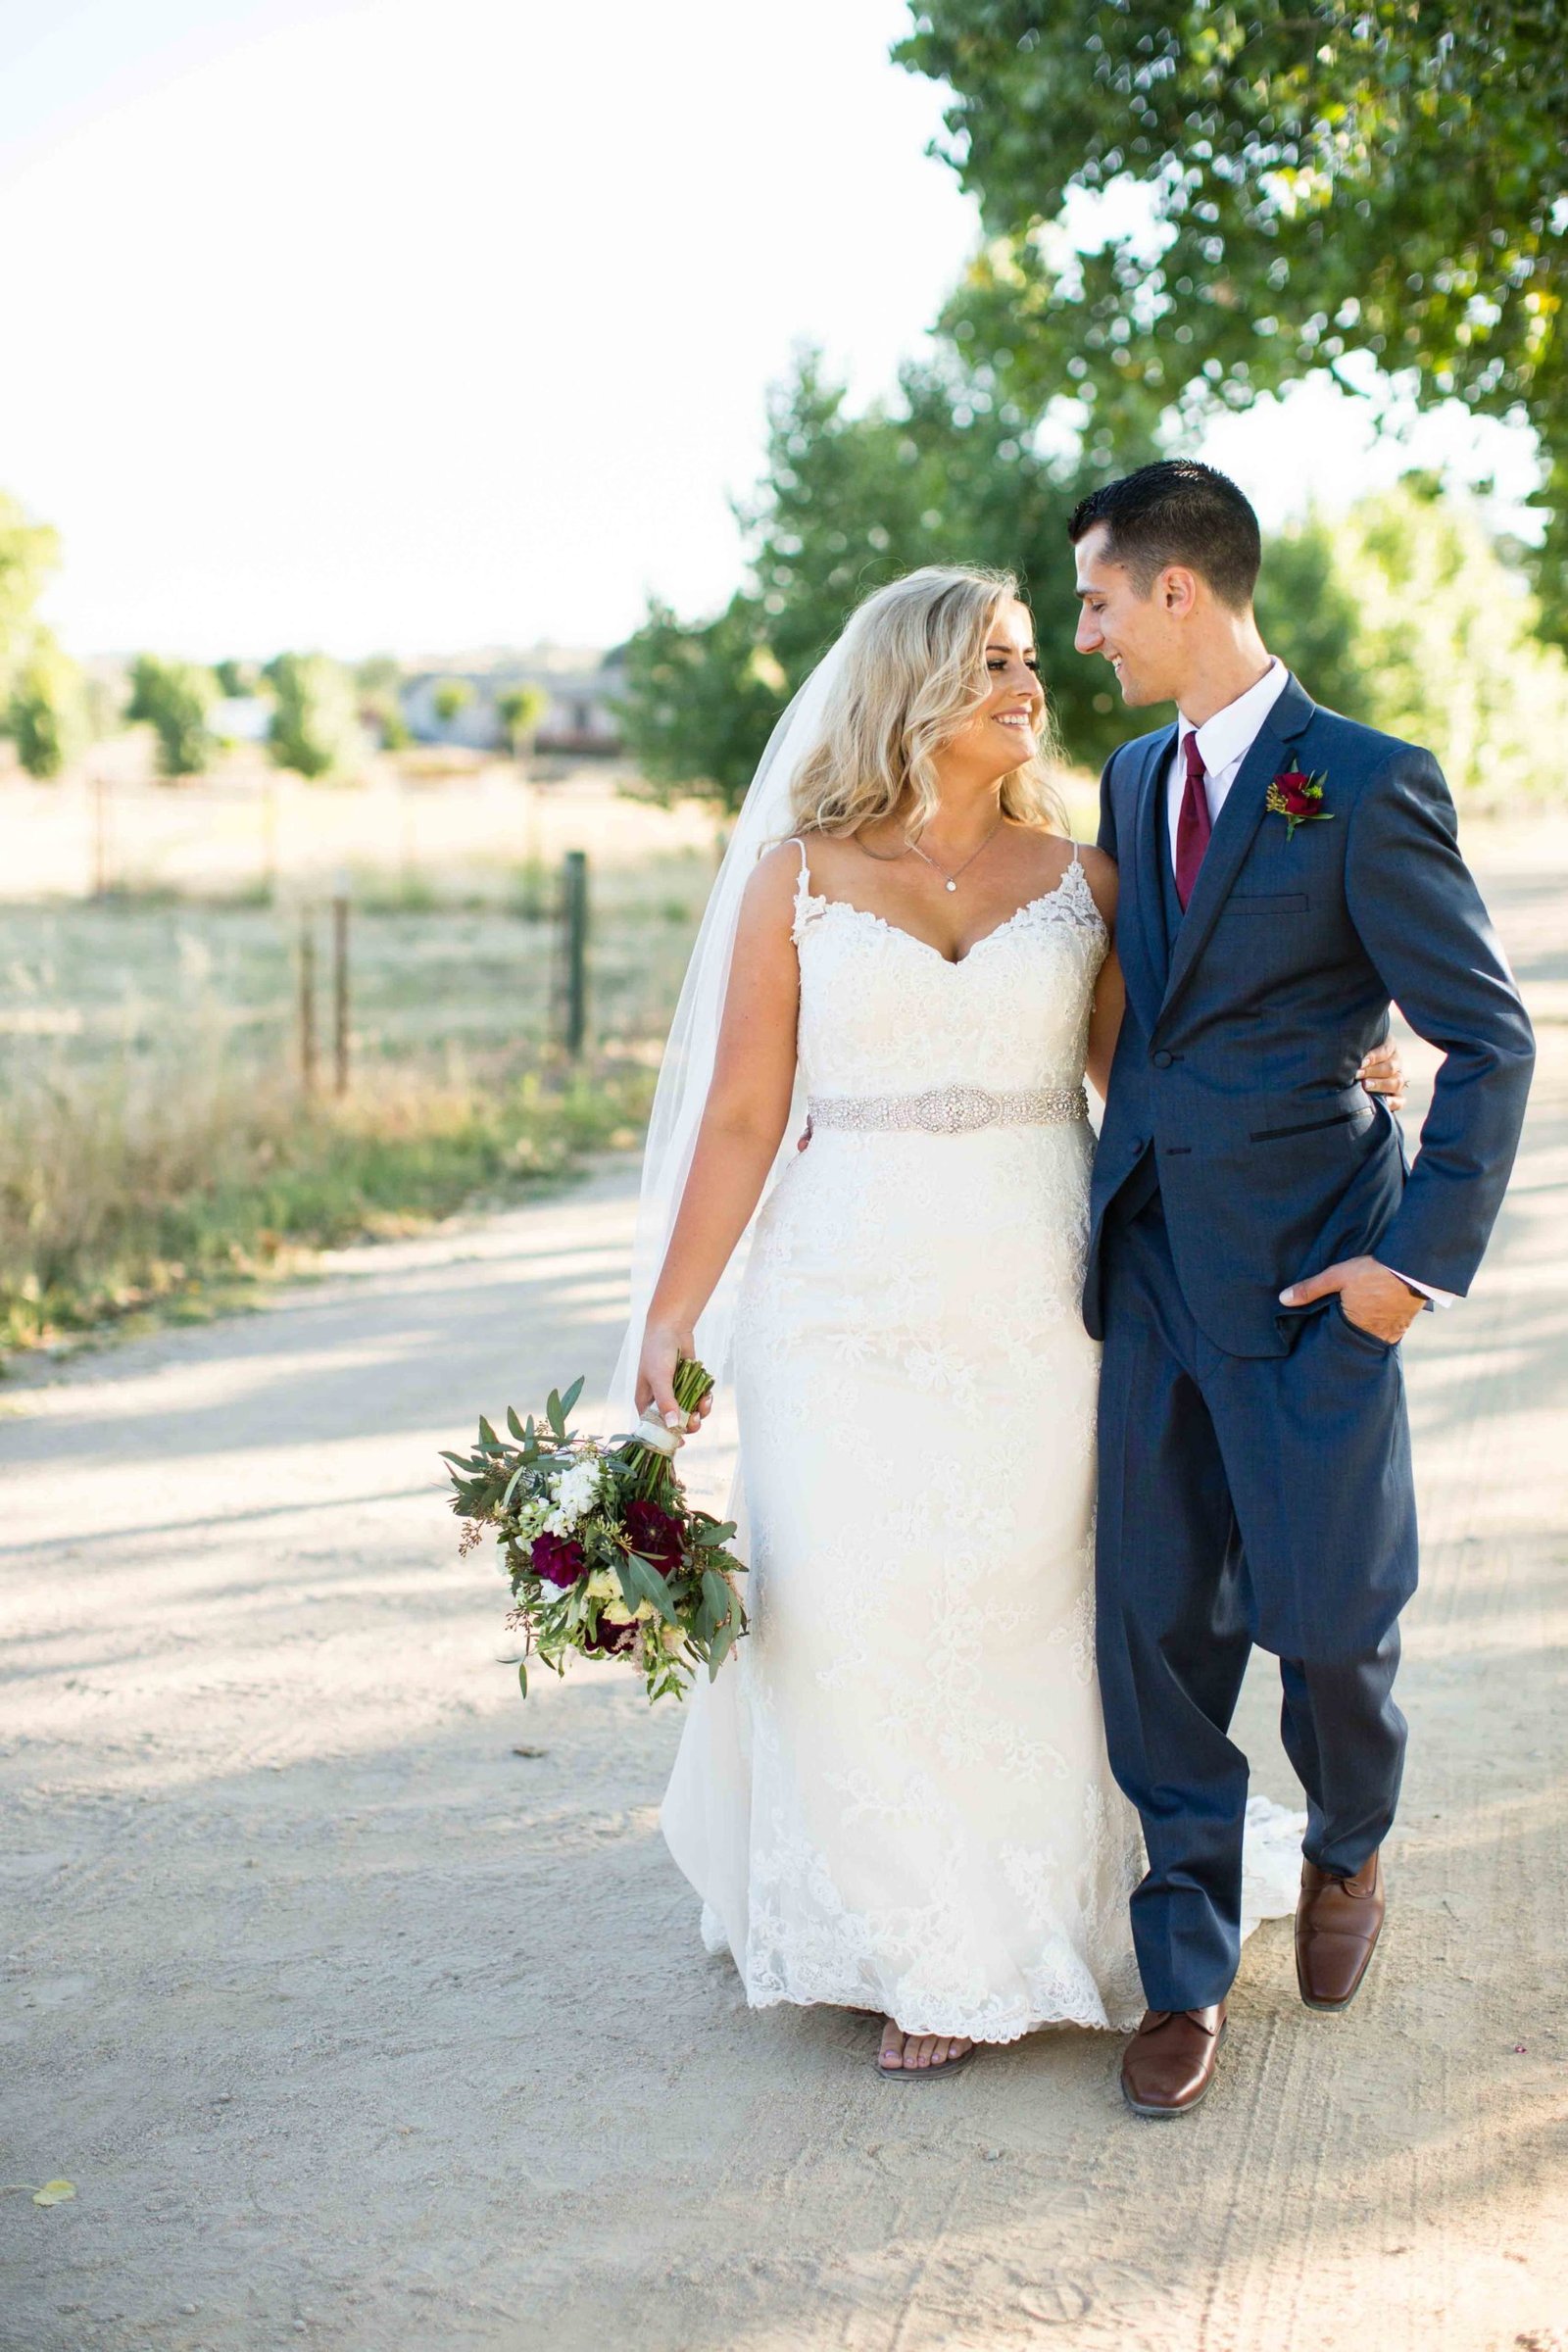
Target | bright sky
(431,324)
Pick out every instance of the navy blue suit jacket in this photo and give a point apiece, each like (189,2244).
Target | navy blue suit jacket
(1239,1051)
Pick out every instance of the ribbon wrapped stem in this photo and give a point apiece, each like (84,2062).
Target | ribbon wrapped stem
(652,1452)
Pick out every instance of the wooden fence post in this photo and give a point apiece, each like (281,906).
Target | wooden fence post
(574,928)
(307,1003)
(340,988)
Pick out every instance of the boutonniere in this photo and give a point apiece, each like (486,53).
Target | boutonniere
(1299,799)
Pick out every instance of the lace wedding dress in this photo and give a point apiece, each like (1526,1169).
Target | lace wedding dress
(896,1798)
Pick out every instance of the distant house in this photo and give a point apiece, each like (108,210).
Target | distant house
(579,713)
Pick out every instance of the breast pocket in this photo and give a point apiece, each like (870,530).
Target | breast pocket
(1267,902)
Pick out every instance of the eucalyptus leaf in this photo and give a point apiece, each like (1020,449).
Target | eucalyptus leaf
(723,1639)
(520,1471)
(512,1423)
(720,1599)
(651,1587)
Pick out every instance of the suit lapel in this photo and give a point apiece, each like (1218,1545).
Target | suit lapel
(1144,967)
(1233,834)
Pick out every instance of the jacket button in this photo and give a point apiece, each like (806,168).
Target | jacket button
(1162,1059)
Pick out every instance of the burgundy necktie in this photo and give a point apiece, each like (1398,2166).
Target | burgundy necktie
(1193,825)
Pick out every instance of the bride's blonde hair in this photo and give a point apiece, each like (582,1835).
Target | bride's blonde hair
(913,676)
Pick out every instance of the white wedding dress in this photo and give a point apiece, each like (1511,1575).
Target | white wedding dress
(897,1798)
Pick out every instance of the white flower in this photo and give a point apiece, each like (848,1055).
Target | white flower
(575,1492)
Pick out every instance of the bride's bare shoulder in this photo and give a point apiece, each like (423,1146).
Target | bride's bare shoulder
(819,856)
(770,890)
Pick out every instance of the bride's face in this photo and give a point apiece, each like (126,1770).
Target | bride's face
(1004,732)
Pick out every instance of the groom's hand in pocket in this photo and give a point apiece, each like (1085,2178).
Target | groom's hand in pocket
(1373,1299)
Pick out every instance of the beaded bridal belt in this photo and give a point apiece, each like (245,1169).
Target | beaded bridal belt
(949,1109)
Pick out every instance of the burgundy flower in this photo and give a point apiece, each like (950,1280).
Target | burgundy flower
(610,1640)
(557,1561)
(1299,799)
(655,1533)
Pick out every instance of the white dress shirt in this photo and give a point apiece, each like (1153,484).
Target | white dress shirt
(1223,743)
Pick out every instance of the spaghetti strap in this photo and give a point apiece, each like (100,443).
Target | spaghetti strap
(805,903)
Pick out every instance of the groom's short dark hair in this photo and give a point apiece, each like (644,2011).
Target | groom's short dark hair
(1177,512)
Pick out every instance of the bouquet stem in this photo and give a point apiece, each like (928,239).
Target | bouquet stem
(656,1471)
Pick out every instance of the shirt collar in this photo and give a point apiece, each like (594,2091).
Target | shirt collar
(1230,734)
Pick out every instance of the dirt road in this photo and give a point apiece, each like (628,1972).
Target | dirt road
(354,2025)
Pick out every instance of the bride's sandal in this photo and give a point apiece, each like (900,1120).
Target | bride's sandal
(923,2073)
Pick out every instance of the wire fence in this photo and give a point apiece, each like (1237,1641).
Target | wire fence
(478,936)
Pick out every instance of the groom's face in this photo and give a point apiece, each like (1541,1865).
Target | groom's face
(1139,634)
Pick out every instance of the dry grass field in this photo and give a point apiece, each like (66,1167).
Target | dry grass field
(157,1148)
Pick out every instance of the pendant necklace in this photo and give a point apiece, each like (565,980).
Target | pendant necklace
(951,878)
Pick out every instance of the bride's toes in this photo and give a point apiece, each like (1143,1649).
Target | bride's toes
(919,2053)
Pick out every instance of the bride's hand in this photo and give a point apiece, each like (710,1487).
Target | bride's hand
(1382,1073)
(663,1346)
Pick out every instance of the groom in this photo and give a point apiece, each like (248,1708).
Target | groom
(1259,1243)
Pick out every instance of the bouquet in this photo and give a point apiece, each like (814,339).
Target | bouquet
(605,1555)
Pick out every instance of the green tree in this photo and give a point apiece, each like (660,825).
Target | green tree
(237,679)
(175,699)
(379,681)
(947,474)
(29,553)
(943,473)
(1446,647)
(46,715)
(1318,180)
(314,728)
(701,700)
(450,696)
(520,710)
(1309,613)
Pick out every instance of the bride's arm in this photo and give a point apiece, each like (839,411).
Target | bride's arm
(743,1125)
(1105,1020)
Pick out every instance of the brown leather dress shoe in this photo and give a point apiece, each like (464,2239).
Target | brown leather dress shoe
(1170,2063)
(1338,1922)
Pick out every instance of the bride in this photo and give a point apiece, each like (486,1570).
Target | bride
(898,1799)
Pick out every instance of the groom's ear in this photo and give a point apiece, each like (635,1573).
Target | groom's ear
(1176,590)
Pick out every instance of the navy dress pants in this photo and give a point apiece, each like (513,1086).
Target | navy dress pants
(1241,1500)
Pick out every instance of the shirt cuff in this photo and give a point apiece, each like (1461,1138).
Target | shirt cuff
(1438,1298)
